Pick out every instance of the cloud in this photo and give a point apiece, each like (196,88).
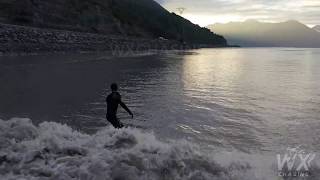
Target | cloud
(306,11)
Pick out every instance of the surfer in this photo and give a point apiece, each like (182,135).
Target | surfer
(113,100)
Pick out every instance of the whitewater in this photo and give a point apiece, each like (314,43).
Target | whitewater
(55,151)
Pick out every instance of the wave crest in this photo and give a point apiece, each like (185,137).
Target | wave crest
(55,151)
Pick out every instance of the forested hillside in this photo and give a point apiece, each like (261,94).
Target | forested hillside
(139,18)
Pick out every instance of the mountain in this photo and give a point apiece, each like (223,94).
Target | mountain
(253,33)
(138,18)
(317,28)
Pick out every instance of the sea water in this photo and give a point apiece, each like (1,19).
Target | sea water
(199,114)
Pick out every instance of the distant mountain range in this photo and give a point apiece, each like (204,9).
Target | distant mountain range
(138,18)
(253,33)
(317,28)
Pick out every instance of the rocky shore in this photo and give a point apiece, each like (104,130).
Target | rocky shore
(16,39)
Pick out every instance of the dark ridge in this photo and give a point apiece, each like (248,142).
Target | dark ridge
(136,18)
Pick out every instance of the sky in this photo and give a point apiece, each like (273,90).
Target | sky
(205,12)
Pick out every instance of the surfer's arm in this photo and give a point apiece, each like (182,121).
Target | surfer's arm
(125,108)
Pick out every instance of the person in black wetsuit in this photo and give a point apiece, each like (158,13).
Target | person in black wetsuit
(113,100)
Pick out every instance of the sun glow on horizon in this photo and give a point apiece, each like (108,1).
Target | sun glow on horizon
(205,20)
(207,12)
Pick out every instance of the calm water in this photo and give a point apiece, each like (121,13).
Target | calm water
(249,100)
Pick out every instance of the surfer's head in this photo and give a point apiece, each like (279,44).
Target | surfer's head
(114,87)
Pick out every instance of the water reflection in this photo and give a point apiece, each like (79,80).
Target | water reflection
(211,72)
(245,99)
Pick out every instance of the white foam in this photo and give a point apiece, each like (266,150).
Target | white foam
(56,151)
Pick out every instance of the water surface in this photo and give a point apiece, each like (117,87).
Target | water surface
(249,100)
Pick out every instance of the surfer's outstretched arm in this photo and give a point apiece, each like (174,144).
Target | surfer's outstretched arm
(126,108)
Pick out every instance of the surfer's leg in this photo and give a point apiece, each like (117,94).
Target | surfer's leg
(118,124)
(114,121)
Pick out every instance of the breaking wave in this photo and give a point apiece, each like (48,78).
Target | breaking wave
(52,151)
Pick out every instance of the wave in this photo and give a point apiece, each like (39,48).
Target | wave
(52,151)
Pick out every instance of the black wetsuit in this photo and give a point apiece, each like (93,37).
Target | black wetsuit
(113,100)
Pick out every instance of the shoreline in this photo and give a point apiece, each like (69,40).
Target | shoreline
(16,40)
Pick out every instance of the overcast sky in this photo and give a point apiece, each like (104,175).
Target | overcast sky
(205,12)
